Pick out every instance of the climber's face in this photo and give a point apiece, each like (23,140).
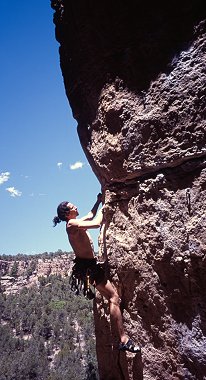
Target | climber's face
(73,211)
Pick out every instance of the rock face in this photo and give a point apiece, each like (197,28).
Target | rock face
(135,76)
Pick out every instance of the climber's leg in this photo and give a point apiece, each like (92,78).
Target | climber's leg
(109,292)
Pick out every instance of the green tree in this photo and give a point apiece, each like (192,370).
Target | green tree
(31,268)
(48,316)
(14,269)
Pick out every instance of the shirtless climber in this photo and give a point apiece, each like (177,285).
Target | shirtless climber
(85,261)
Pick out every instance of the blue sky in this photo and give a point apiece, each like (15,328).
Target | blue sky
(39,143)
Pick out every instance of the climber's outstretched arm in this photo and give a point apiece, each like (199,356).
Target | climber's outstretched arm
(94,223)
(91,215)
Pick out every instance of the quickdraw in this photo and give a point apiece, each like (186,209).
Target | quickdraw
(89,290)
(188,201)
(82,283)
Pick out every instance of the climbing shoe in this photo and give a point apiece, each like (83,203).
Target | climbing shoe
(129,346)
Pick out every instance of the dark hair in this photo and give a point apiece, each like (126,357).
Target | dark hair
(62,210)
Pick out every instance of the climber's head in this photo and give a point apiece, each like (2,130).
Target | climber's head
(65,211)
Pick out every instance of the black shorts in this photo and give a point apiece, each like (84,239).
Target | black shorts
(84,267)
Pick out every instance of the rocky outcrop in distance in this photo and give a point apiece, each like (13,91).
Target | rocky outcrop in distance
(16,274)
(135,75)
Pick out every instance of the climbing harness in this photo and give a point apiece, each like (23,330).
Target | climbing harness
(86,275)
(82,283)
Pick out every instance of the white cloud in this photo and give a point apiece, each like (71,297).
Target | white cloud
(59,164)
(4,177)
(77,165)
(25,176)
(14,192)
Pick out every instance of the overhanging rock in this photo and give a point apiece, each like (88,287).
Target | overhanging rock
(135,76)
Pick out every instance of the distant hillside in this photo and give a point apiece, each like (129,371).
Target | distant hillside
(46,332)
(26,270)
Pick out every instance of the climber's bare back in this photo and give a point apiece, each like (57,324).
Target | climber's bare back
(80,242)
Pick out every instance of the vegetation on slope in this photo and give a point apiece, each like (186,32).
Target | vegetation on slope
(47,333)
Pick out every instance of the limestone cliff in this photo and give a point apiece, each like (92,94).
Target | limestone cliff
(135,76)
